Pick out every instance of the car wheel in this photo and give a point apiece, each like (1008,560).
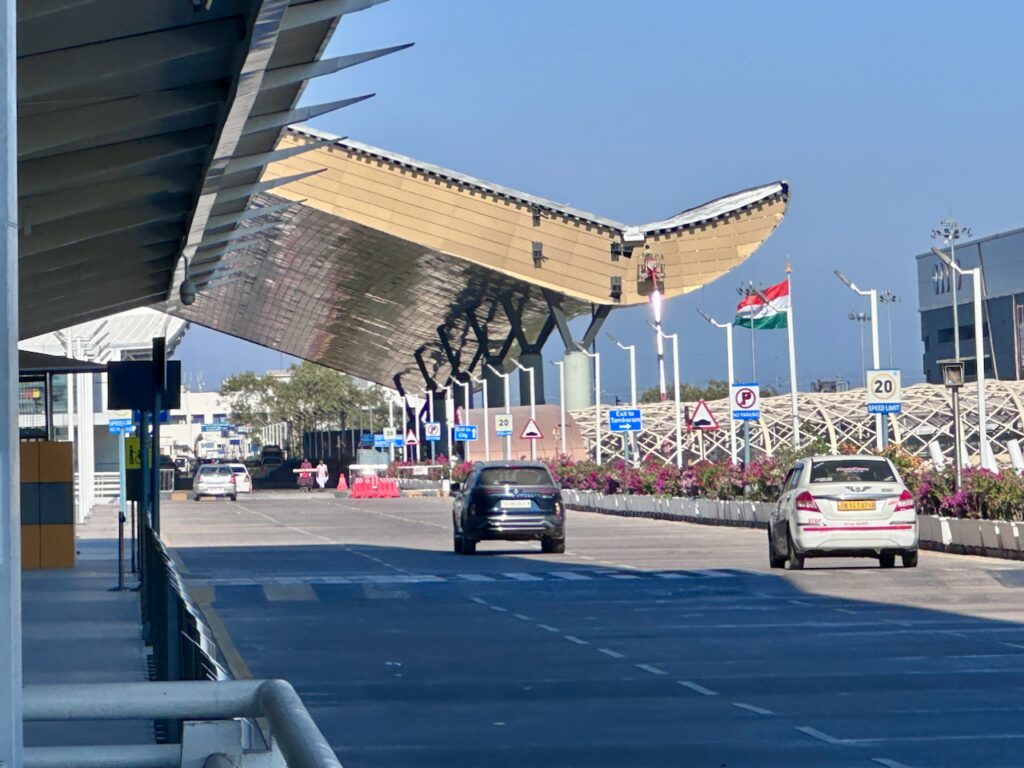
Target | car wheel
(775,561)
(457,544)
(552,546)
(234,498)
(796,559)
(910,558)
(196,497)
(468,545)
(887,560)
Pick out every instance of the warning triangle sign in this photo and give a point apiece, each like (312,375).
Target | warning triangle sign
(702,418)
(531,431)
(411,439)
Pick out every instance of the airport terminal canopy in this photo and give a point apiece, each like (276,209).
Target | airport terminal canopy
(378,264)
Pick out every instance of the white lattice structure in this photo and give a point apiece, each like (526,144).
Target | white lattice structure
(835,417)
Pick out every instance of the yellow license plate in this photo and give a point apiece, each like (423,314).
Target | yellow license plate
(855,506)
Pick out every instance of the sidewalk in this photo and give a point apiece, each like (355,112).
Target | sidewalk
(76,630)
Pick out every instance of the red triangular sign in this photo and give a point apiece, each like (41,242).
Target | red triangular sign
(411,439)
(702,418)
(531,431)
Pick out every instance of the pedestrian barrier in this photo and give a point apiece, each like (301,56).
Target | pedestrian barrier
(373,487)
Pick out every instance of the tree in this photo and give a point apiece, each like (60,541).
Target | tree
(251,398)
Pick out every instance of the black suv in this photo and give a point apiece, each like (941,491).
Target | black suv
(515,500)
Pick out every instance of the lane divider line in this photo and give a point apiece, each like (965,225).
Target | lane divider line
(499,609)
(652,669)
(888,763)
(523,576)
(752,708)
(522,617)
(577,640)
(610,652)
(697,688)
(814,733)
(548,627)
(479,600)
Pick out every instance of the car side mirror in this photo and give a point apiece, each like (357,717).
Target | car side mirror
(454,489)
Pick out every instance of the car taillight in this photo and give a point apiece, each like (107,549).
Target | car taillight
(233,480)
(806,503)
(906,502)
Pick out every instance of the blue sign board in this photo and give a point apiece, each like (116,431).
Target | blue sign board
(366,440)
(379,441)
(885,407)
(466,432)
(120,426)
(211,427)
(625,420)
(398,442)
(746,401)
(235,441)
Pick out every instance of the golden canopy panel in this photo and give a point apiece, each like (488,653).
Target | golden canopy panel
(359,260)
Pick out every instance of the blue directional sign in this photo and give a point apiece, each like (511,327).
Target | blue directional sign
(211,427)
(625,420)
(366,440)
(379,441)
(466,432)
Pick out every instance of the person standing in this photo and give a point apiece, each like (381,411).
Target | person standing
(321,475)
(306,475)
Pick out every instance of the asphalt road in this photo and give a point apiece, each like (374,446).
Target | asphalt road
(648,643)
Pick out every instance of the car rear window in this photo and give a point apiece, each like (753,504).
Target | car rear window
(238,469)
(494,476)
(852,471)
(218,469)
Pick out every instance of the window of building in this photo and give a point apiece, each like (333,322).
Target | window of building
(177,418)
(198,418)
(220,418)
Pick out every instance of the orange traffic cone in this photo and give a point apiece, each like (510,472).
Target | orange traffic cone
(342,483)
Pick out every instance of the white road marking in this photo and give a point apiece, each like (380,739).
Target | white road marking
(499,609)
(548,627)
(522,616)
(670,575)
(624,576)
(523,576)
(570,576)
(574,639)
(846,611)
(475,577)
(888,763)
(798,602)
(714,574)
(610,652)
(814,733)
(752,708)
(697,688)
(652,669)
(1013,645)
(479,600)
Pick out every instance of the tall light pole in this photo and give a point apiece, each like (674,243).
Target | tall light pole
(881,420)
(979,354)
(561,400)
(732,379)
(675,378)
(487,422)
(861,318)
(533,405)
(597,401)
(630,439)
(508,437)
(949,231)
(465,400)
(391,425)
(888,298)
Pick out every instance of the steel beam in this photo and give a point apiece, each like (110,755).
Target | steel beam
(310,13)
(250,162)
(299,73)
(274,120)
(229,219)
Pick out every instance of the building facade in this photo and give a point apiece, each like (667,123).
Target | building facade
(1001,258)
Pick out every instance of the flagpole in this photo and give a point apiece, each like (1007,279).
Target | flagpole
(792,357)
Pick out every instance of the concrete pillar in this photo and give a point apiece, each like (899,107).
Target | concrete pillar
(534,360)
(579,381)
(495,384)
(441,417)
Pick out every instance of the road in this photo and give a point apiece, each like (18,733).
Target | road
(649,643)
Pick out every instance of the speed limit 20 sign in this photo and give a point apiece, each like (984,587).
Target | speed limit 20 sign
(884,391)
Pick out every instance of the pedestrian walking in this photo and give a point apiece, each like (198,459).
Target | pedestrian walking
(321,475)
(306,475)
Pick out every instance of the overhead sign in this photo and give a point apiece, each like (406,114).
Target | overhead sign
(884,391)
(531,431)
(503,424)
(625,420)
(432,431)
(746,401)
(132,453)
(466,432)
(702,418)
(411,439)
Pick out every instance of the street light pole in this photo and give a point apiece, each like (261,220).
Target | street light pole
(881,420)
(465,401)
(533,405)
(508,437)
(984,451)
(888,298)
(949,231)
(675,376)
(732,380)
(597,401)
(630,439)
(561,401)
(487,421)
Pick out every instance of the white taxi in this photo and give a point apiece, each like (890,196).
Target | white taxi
(843,506)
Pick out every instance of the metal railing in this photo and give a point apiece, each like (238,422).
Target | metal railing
(293,734)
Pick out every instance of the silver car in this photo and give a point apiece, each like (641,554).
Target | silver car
(214,480)
(843,506)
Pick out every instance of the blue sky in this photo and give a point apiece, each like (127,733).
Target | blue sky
(884,117)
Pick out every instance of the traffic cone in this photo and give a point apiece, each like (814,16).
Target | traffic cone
(342,483)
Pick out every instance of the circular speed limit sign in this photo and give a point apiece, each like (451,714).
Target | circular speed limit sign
(884,395)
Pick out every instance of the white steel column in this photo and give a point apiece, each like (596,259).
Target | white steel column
(487,423)
(533,406)
(561,400)
(10,474)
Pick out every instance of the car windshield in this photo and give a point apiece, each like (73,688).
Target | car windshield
(852,471)
(215,469)
(496,476)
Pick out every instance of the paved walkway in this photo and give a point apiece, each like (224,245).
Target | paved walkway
(76,630)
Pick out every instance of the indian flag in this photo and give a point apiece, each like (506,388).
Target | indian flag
(755,312)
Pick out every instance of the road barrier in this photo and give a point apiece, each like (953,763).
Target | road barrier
(373,487)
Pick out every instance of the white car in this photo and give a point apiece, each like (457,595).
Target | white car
(843,506)
(214,480)
(243,480)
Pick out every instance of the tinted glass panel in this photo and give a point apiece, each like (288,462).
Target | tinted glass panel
(492,476)
(215,469)
(852,471)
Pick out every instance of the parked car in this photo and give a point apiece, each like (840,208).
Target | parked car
(214,480)
(508,500)
(243,481)
(843,506)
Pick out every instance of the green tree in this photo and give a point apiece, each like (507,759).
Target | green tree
(251,398)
